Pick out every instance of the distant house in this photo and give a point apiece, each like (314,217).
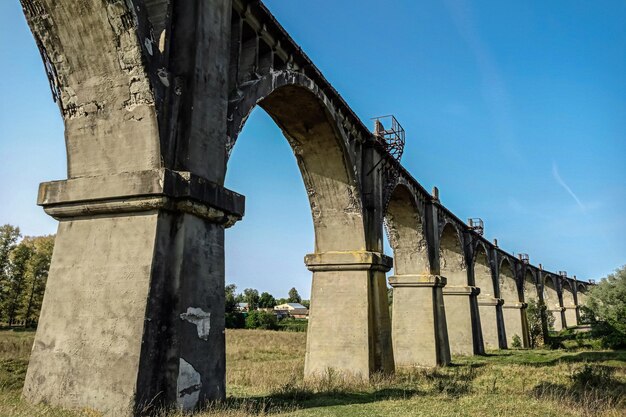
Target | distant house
(242,307)
(295,310)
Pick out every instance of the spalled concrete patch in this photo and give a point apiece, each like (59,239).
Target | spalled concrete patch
(188,386)
(201,319)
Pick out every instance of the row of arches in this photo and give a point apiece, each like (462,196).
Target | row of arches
(485,291)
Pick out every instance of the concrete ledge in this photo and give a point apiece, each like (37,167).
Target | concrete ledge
(489,301)
(570,307)
(461,290)
(516,305)
(417,281)
(140,191)
(348,261)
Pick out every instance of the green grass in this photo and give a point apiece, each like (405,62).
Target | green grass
(265,377)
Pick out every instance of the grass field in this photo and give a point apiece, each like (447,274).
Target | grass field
(264,377)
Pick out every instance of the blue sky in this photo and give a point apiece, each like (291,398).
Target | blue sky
(516,110)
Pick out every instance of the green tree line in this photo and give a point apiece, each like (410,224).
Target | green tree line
(24,265)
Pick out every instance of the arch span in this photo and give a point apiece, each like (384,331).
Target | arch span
(460,299)
(569,303)
(418,322)
(552,302)
(513,309)
(488,304)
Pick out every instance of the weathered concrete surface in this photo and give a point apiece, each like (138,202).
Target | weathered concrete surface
(489,321)
(153,96)
(419,330)
(343,285)
(487,303)
(419,321)
(460,299)
(569,303)
(513,309)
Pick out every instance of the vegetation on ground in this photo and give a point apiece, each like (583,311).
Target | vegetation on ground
(265,378)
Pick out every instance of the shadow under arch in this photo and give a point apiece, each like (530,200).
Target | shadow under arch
(488,304)
(419,331)
(348,277)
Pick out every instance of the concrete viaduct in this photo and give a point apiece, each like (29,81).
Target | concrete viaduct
(153,94)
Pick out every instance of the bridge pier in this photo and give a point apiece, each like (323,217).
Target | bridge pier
(515,323)
(419,331)
(488,308)
(349,318)
(460,301)
(133,312)
(571,315)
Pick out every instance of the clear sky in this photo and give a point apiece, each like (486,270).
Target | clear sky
(516,110)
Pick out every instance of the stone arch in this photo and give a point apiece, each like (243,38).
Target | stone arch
(507,282)
(530,286)
(406,234)
(452,256)
(550,291)
(568,293)
(483,277)
(581,293)
(309,123)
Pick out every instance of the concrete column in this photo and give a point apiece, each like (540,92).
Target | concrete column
(459,302)
(419,321)
(515,323)
(133,312)
(488,307)
(349,319)
(571,315)
(557,313)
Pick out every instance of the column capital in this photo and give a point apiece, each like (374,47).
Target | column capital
(348,261)
(420,280)
(461,290)
(128,192)
(490,301)
(517,305)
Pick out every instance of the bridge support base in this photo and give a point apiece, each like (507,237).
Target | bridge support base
(515,323)
(349,325)
(488,308)
(459,303)
(419,331)
(133,314)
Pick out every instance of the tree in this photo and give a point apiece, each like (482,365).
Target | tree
(306,303)
(19,259)
(294,297)
(267,300)
(231,298)
(251,296)
(535,325)
(261,320)
(607,302)
(36,277)
(9,236)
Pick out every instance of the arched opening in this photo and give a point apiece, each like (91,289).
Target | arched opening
(328,173)
(482,273)
(452,257)
(551,301)
(571,315)
(512,312)
(487,303)
(406,235)
(356,344)
(530,288)
(459,298)
(581,294)
(418,321)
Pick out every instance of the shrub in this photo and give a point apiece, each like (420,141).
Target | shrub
(607,305)
(534,313)
(261,320)
(293,325)
(517,342)
(235,320)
